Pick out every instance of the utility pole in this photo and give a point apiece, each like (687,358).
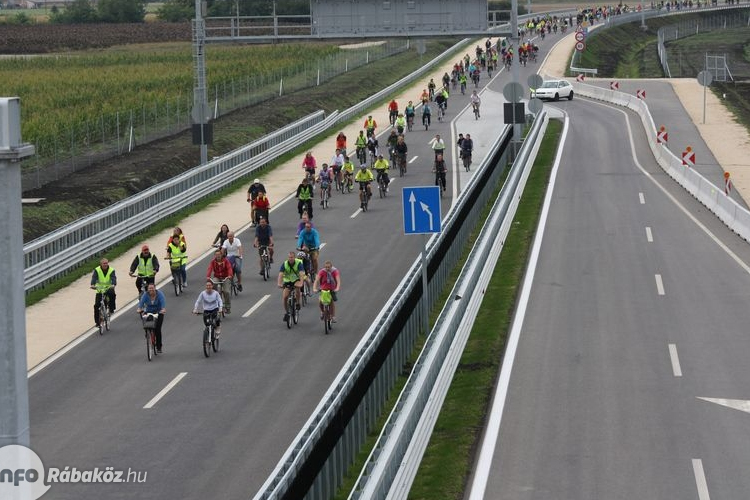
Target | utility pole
(14,386)
(201,127)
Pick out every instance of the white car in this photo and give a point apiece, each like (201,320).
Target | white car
(554,89)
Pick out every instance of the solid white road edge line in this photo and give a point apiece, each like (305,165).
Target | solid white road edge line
(700,479)
(256,306)
(669,196)
(675,360)
(482,473)
(164,391)
(649,236)
(659,284)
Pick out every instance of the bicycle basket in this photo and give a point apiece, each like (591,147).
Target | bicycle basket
(149,322)
(325,297)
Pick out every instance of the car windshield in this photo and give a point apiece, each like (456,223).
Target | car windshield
(549,85)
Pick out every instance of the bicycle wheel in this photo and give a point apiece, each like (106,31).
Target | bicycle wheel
(235,291)
(176,283)
(215,341)
(289,311)
(207,342)
(295,314)
(148,345)
(305,291)
(326,320)
(401,168)
(106,318)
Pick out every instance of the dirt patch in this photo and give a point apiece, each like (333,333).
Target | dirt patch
(109,181)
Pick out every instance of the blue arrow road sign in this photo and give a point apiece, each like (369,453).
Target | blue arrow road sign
(421,209)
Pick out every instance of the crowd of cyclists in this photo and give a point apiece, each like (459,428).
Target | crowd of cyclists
(344,171)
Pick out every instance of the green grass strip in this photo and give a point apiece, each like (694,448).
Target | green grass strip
(449,457)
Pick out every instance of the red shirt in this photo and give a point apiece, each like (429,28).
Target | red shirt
(393,106)
(325,283)
(262,202)
(221,269)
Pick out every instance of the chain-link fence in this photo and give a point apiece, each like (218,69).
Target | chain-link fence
(677,63)
(75,148)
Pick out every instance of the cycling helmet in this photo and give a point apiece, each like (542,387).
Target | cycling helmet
(301,255)
(363,166)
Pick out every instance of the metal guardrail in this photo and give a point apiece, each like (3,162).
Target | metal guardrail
(54,254)
(392,465)
(731,213)
(315,463)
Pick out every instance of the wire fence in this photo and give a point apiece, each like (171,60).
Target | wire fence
(677,63)
(109,135)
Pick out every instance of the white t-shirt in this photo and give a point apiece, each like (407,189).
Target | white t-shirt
(233,249)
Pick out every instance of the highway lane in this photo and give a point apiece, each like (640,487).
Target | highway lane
(221,429)
(635,312)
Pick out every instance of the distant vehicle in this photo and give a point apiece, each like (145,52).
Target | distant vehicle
(554,89)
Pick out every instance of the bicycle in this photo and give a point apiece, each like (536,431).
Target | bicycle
(175,265)
(325,300)
(340,184)
(226,296)
(292,313)
(266,259)
(149,326)
(364,196)
(210,335)
(409,122)
(382,186)
(361,154)
(439,170)
(392,115)
(401,164)
(441,112)
(103,310)
(348,182)
(325,189)
(476,110)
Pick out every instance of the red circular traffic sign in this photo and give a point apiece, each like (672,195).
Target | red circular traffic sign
(580,36)
(580,46)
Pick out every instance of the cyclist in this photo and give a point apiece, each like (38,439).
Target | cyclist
(264,238)
(409,111)
(424,97)
(348,171)
(341,142)
(309,164)
(221,269)
(302,223)
(426,115)
(337,162)
(446,79)
(462,82)
(221,236)
(304,195)
(381,167)
(176,253)
(309,240)
(392,111)
(370,125)
(400,123)
(329,278)
(364,177)
(147,266)
(373,146)
(154,302)
(440,171)
(459,142)
(431,88)
(361,144)
(401,150)
(442,104)
(103,280)
(210,303)
(252,192)
(438,145)
(234,252)
(392,140)
(291,275)
(325,178)
(475,101)
(262,207)
(446,95)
